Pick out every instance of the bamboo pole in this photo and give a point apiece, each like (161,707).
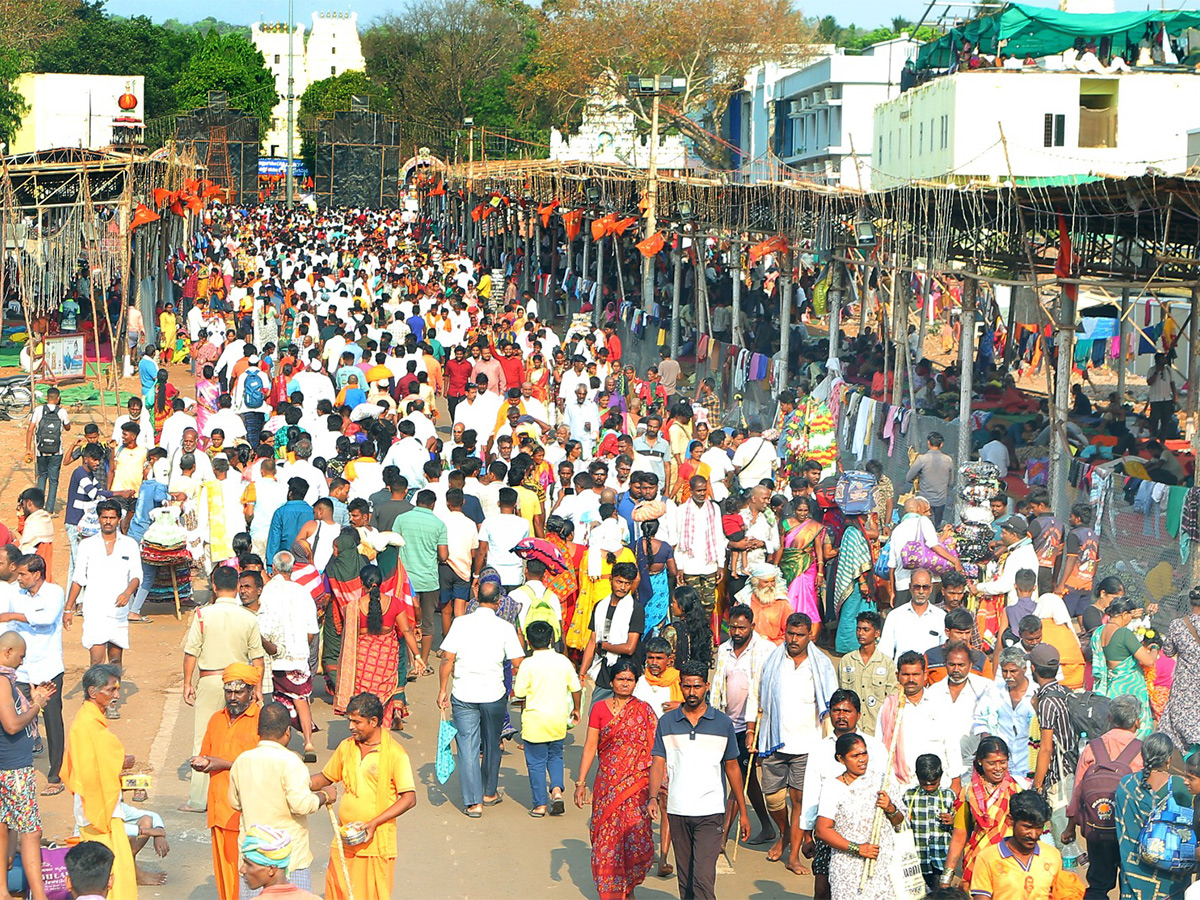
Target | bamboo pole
(877,822)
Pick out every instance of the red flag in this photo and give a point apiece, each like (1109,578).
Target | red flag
(572,223)
(619,226)
(652,245)
(142,215)
(602,226)
(439,190)
(477,213)
(1063,265)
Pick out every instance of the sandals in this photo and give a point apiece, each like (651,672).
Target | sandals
(495,801)
(112,712)
(53,789)
(310,755)
(140,620)
(473,813)
(539,813)
(556,806)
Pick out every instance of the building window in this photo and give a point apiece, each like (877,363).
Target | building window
(921,137)
(1054,128)
(333,70)
(1097,113)
(276,59)
(881,148)
(945,132)
(333,51)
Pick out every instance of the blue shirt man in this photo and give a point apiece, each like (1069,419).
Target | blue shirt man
(148,373)
(288,519)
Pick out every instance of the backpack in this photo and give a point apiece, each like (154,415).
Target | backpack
(254,389)
(1167,842)
(855,493)
(49,432)
(540,610)
(1098,789)
(1088,712)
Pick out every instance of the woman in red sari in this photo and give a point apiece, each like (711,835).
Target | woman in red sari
(370,656)
(565,584)
(981,814)
(539,376)
(621,734)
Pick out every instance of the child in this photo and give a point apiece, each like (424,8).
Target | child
(734,527)
(551,689)
(1022,866)
(930,810)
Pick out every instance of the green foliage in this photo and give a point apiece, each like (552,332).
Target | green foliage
(331,95)
(204,26)
(851,37)
(104,45)
(12,104)
(230,63)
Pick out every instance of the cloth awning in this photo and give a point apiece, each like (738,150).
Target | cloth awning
(1037,31)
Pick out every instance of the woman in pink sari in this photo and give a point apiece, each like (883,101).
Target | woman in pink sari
(208,389)
(802,560)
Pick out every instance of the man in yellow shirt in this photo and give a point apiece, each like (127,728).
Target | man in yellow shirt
(1022,866)
(378,780)
(550,686)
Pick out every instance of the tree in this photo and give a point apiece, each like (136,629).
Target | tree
(204,26)
(443,60)
(98,44)
(26,24)
(12,104)
(229,63)
(590,46)
(331,95)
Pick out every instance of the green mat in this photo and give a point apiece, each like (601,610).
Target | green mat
(81,394)
(10,355)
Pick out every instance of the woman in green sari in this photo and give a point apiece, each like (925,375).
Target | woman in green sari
(1136,799)
(853,582)
(1118,657)
(802,557)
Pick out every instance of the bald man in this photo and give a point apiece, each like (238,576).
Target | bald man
(18,717)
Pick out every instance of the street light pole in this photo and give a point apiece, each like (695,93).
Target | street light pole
(291,100)
(651,205)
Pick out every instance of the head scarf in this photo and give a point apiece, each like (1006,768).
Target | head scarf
(267,846)
(241,672)
(508,609)
(347,562)
(301,552)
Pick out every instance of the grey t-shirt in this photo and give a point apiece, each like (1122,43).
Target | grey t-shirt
(936,471)
(668,370)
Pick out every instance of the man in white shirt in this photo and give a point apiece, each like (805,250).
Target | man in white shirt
(315,385)
(138,413)
(1019,554)
(109,566)
(797,683)
(996,452)
(38,617)
(915,626)
(303,468)
(959,693)
(737,670)
(287,621)
(227,420)
(408,455)
(926,726)
(914,525)
(174,428)
(260,499)
(845,707)
(475,650)
(720,466)
(755,459)
(498,535)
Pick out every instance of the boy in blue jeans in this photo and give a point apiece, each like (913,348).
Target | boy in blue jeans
(550,687)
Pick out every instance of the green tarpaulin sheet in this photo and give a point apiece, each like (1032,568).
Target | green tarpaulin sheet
(1036,31)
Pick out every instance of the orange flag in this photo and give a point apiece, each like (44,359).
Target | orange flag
(652,245)
(161,196)
(142,215)
(439,190)
(546,212)
(618,227)
(603,226)
(477,213)
(572,222)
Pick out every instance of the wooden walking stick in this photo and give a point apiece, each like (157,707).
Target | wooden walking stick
(340,851)
(877,822)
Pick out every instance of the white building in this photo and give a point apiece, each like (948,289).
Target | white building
(607,135)
(817,117)
(1056,123)
(331,47)
(77,110)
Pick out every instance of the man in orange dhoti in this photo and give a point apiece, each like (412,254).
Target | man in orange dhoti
(230,732)
(379,787)
(91,769)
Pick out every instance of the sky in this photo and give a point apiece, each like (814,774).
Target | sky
(867,13)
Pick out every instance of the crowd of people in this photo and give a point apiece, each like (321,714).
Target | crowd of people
(389,472)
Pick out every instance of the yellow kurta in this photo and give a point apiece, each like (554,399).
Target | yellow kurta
(91,768)
(372,783)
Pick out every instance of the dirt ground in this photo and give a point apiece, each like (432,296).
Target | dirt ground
(442,853)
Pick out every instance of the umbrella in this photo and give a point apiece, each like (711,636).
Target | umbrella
(543,551)
(378,373)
